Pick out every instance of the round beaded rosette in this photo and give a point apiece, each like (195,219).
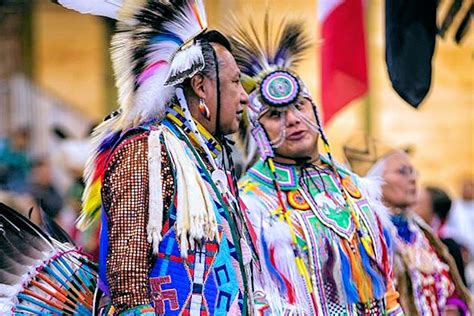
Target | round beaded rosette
(279,89)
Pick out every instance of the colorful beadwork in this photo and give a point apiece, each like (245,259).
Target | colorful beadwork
(431,281)
(264,148)
(212,279)
(297,201)
(351,188)
(279,89)
(314,223)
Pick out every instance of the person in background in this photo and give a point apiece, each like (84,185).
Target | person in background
(15,162)
(461,222)
(426,275)
(433,206)
(42,189)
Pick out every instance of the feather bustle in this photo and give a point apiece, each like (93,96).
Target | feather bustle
(42,275)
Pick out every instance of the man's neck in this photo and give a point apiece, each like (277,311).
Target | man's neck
(176,115)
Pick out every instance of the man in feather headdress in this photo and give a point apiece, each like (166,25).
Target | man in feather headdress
(172,238)
(322,249)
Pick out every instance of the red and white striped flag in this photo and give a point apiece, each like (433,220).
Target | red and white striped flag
(343,56)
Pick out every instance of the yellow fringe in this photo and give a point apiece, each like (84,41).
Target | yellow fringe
(91,204)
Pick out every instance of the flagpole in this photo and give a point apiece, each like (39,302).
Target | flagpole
(367,108)
(367,114)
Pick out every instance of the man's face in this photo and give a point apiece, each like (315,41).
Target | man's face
(233,95)
(399,175)
(300,141)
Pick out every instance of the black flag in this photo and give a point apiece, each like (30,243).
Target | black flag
(410,35)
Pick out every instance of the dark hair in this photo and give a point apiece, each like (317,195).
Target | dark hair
(216,37)
(205,40)
(440,201)
(211,65)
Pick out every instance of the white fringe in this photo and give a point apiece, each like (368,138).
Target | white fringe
(183,62)
(371,187)
(196,219)
(155,208)
(278,236)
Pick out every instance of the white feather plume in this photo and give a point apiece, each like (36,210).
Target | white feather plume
(107,8)
(278,237)
(122,60)
(186,63)
(195,218)
(155,208)
(149,101)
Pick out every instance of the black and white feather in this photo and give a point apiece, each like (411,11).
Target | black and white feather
(40,275)
(282,48)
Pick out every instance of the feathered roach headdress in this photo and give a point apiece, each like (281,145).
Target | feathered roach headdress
(269,78)
(156,47)
(268,75)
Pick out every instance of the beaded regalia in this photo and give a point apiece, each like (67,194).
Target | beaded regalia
(322,249)
(426,274)
(171,234)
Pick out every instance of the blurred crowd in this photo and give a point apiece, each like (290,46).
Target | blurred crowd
(36,187)
(29,184)
(452,220)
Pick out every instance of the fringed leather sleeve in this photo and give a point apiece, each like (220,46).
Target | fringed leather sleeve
(125,196)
